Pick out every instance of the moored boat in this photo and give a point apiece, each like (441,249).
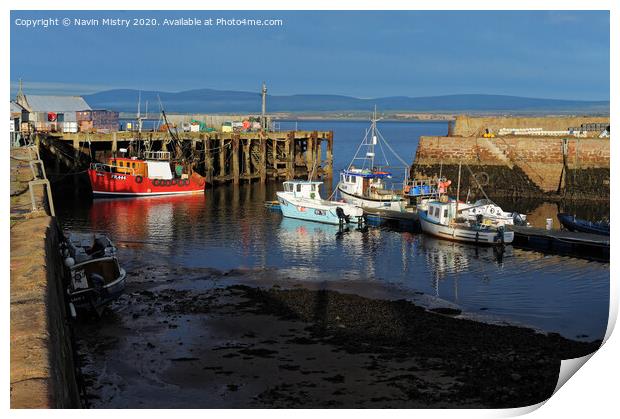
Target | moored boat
(442,220)
(301,199)
(572,223)
(368,185)
(95,275)
(491,212)
(130,176)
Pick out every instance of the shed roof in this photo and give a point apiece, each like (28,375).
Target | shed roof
(16,108)
(38,103)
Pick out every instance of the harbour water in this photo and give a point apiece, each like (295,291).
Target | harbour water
(229,228)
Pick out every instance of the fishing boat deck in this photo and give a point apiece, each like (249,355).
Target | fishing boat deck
(562,241)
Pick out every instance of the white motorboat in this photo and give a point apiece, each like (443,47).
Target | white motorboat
(492,212)
(442,220)
(95,276)
(301,199)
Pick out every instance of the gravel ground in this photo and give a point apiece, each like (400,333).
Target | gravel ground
(193,338)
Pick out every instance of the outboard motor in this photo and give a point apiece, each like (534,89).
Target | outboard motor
(341,215)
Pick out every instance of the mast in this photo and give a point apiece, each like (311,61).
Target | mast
(458,191)
(373,139)
(138,116)
(264,107)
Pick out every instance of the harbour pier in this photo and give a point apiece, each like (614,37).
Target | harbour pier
(220,157)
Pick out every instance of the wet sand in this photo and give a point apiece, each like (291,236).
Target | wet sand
(221,344)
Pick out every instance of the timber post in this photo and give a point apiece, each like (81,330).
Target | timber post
(235,158)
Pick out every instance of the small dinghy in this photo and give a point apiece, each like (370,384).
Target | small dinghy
(572,223)
(301,199)
(96,277)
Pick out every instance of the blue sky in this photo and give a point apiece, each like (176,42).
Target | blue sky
(551,54)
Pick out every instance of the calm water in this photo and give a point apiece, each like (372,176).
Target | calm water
(229,228)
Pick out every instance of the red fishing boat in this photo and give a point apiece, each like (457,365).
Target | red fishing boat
(153,175)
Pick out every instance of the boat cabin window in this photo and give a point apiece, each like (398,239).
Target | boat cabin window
(298,187)
(120,163)
(436,212)
(313,188)
(445,213)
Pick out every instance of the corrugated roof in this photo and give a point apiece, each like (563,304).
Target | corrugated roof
(39,103)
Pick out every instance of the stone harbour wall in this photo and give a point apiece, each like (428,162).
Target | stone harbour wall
(520,166)
(42,364)
(468,126)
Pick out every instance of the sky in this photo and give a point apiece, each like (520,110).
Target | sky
(546,54)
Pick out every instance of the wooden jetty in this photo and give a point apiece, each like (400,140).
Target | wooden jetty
(587,245)
(220,157)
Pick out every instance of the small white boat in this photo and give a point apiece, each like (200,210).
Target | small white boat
(442,220)
(492,212)
(301,199)
(96,278)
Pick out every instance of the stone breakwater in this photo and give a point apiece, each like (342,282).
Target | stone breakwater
(519,166)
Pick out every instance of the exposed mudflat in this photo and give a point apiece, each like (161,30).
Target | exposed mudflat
(196,339)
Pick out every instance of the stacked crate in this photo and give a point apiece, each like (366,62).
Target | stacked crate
(101,121)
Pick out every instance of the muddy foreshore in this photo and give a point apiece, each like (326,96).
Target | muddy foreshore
(222,345)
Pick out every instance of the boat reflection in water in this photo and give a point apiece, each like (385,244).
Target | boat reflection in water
(153,220)
(445,259)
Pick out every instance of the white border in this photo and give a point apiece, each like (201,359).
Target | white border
(592,392)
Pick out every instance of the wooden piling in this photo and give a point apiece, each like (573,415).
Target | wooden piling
(247,165)
(235,158)
(222,157)
(290,155)
(329,155)
(208,159)
(263,159)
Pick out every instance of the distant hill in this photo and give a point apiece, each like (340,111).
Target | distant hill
(223,101)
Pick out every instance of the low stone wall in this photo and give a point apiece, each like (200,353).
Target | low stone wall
(42,364)
(467,126)
(520,166)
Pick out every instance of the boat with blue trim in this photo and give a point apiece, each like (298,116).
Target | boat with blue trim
(301,199)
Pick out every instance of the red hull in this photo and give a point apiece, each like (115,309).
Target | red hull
(106,183)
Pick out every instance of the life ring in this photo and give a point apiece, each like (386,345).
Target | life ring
(138,179)
(156,182)
(482,178)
